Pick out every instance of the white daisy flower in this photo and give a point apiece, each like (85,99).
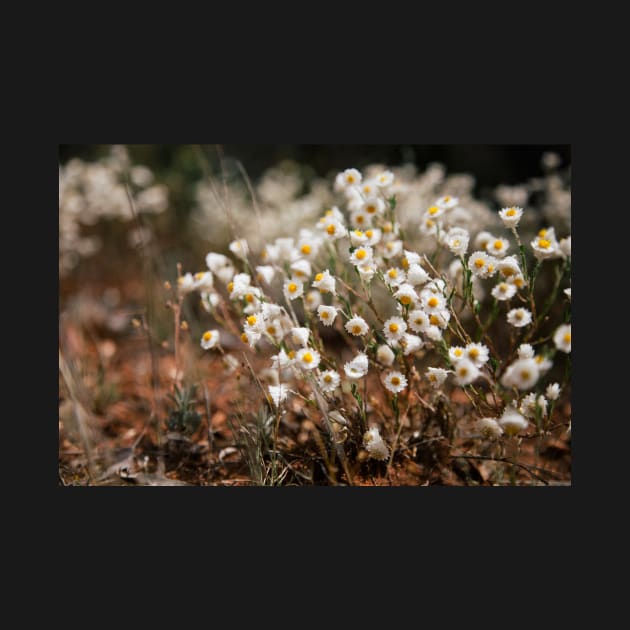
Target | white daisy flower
(325,282)
(433,212)
(274,329)
(394,328)
(543,404)
(250,337)
(278,393)
(410,343)
(447,202)
(562,338)
(334,229)
(528,405)
(265,273)
(509,267)
(407,295)
(373,236)
(358,367)
(525,351)
(329,381)
(433,333)
(465,372)
(553,391)
(478,353)
(368,187)
(358,238)
(301,269)
(394,277)
(210,300)
(308,247)
(395,382)
(204,281)
(511,216)
(523,373)
(209,339)
(457,241)
(269,253)
(518,281)
(482,239)
(433,302)
(374,444)
(293,289)
(512,422)
(239,248)
(544,364)
(456,353)
(312,300)
(503,291)
(418,320)
(253,323)
(285,249)
(357,326)
(392,248)
(186,283)
(519,317)
(366,272)
(239,286)
(282,360)
(299,336)
(478,263)
(215,261)
(359,219)
(416,275)
(545,247)
(436,376)
(385,355)
(351,177)
(326,314)
(384,179)
(362,255)
(410,258)
(565,246)
(374,206)
(489,428)
(498,247)
(567,292)
(440,318)
(307,358)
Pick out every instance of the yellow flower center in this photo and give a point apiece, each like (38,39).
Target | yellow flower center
(479,263)
(490,268)
(392,273)
(567,337)
(328,378)
(519,315)
(457,352)
(271,330)
(433,210)
(249,298)
(244,337)
(498,244)
(199,275)
(369,233)
(230,287)
(305,249)
(350,179)
(307,357)
(292,287)
(371,209)
(389,246)
(446,199)
(433,302)
(331,229)
(360,254)
(539,358)
(405,299)
(434,320)
(542,233)
(518,282)
(360,218)
(251,320)
(419,321)
(318,277)
(207,336)
(429,223)
(393,327)
(329,213)
(544,243)
(503,287)
(356,329)
(473,353)
(525,374)
(395,381)
(405,263)
(456,242)
(511,212)
(324,315)
(388,227)
(291,354)
(462,371)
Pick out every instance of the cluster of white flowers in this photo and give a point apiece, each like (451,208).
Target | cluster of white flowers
(90,192)
(324,283)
